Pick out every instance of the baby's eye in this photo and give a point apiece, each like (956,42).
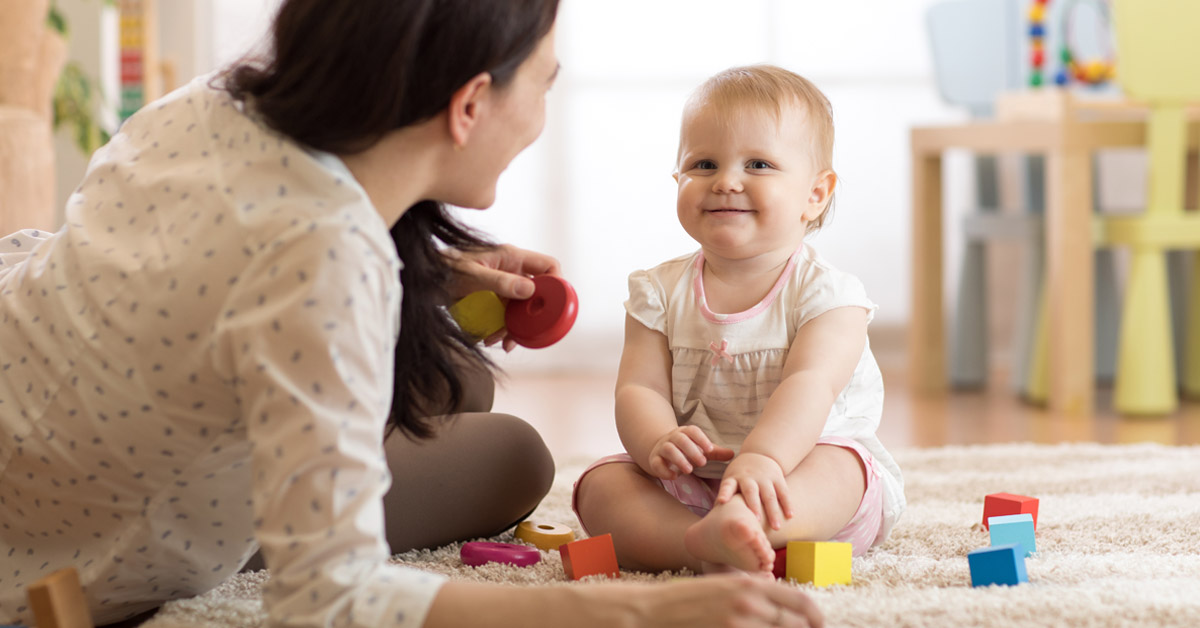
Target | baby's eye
(758,164)
(705,164)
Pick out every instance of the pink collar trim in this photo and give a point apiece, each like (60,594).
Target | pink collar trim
(726,319)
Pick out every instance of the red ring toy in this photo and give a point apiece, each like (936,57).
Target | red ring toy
(544,318)
(482,552)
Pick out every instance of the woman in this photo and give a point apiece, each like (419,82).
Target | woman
(200,362)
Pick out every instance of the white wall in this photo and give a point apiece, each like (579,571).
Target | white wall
(595,190)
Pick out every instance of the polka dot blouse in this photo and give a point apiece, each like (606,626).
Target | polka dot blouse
(198,363)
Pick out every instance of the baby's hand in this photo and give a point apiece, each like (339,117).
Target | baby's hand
(763,486)
(682,450)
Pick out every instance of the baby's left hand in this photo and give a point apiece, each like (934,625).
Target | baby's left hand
(762,484)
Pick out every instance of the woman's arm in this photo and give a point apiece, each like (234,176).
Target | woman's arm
(696,603)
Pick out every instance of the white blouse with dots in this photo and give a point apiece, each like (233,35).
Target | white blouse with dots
(197,363)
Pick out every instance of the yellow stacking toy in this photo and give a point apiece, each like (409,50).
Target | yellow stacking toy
(822,564)
(480,314)
(1158,45)
(544,535)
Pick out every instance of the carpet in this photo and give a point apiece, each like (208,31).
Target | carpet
(1118,539)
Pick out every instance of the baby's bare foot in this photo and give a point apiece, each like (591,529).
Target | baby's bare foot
(730,538)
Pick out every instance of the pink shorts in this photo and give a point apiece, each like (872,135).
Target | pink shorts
(699,493)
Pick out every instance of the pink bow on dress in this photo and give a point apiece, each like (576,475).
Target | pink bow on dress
(719,352)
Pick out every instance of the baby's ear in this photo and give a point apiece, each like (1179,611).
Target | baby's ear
(818,197)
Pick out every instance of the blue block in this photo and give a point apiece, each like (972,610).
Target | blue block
(1013,529)
(1004,564)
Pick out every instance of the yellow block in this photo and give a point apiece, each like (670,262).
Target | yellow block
(480,314)
(822,564)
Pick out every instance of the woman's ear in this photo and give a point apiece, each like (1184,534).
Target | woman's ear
(466,107)
(818,197)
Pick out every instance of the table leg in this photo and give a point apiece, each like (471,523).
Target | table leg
(1070,288)
(927,341)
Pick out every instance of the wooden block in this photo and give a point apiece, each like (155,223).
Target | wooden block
(779,569)
(1004,564)
(58,602)
(1008,529)
(1000,504)
(822,564)
(544,535)
(589,557)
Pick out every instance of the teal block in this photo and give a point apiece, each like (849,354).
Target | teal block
(1008,529)
(1003,564)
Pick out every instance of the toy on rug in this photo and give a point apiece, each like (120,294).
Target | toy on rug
(479,553)
(58,601)
(544,535)
(779,569)
(1003,564)
(822,564)
(589,557)
(536,322)
(1018,529)
(999,504)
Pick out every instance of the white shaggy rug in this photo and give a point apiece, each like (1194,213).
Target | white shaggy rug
(1118,540)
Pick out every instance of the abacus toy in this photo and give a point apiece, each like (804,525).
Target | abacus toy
(1087,71)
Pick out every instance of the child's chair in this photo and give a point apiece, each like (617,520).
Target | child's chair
(976,56)
(1158,44)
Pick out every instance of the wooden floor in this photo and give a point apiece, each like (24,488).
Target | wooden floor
(573,412)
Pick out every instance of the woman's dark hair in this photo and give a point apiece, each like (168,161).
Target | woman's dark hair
(343,74)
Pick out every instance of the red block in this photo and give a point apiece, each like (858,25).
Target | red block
(780,568)
(1000,504)
(590,557)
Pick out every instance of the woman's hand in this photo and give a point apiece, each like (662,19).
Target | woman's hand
(729,600)
(682,450)
(762,484)
(505,270)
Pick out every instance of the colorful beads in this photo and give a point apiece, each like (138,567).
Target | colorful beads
(1089,72)
(1037,45)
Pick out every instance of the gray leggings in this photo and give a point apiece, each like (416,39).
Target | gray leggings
(481,474)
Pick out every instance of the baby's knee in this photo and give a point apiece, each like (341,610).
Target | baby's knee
(600,487)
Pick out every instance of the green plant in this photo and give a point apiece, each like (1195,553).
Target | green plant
(77,99)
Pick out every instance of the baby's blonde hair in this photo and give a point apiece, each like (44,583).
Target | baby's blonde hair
(771,88)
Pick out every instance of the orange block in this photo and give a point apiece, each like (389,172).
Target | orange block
(1000,504)
(590,557)
(57,601)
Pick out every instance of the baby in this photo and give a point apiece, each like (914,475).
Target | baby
(747,396)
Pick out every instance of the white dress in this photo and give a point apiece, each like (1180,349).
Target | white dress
(726,366)
(199,362)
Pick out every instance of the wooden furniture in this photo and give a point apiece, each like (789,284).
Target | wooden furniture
(1068,138)
(57,601)
(31,57)
(977,55)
